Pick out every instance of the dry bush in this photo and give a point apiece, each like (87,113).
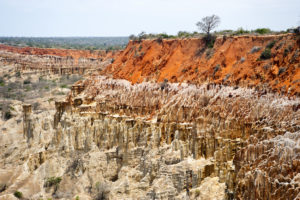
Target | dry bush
(5,108)
(102,191)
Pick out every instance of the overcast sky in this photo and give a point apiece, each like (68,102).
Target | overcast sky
(125,17)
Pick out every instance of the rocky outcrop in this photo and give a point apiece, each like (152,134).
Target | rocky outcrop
(27,122)
(146,141)
(269,169)
(238,132)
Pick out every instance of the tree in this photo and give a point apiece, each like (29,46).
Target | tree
(208,23)
(132,37)
(142,35)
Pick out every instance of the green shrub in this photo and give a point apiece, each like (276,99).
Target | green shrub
(132,37)
(159,40)
(3,187)
(18,74)
(286,51)
(266,54)
(51,99)
(270,45)
(59,93)
(2,82)
(209,40)
(185,34)
(197,192)
(18,194)
(182,34)
(241,31)
(184,70)
(293,30)
(7,115)
(27,88)
(142,36)
(224,32)
(64,86)
(262,30)
(165,36)
(11,108)
(27,81)
(41,78)
(53,181)
(102,191)
(36,106)
(140,47)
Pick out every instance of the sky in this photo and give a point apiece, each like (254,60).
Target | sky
(46,18)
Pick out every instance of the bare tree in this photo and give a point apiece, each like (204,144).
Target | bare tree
(208,23)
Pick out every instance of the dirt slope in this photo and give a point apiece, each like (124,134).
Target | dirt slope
(231,61)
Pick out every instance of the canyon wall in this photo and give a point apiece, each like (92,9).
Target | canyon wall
(177,128)
(246,140)
(153,141)
(74,53)
(55,61)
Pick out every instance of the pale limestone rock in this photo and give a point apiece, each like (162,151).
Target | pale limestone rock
(140,142)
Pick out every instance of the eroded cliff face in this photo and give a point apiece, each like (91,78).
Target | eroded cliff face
(233,61)
(247,140)
(149,140)
(55,61)
(111,139)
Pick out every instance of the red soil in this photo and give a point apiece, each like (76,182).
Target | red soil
(229,62)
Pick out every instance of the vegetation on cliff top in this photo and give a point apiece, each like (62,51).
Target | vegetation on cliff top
(186,34)
(87,43)
(206,25)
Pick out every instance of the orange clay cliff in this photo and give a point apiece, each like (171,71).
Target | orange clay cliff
(235,61)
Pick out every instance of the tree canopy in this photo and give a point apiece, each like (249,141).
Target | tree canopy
(208,23)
